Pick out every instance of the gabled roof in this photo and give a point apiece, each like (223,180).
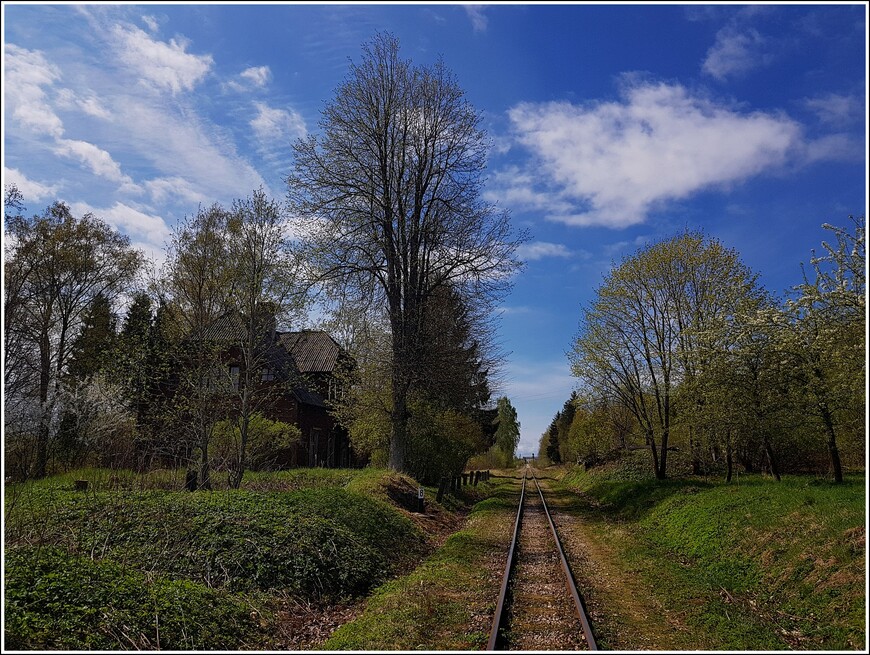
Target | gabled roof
(313,351)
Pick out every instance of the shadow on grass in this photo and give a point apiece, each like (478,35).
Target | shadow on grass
(626,500)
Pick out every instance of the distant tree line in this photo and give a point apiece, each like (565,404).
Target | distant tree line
(105,363)
(682,351)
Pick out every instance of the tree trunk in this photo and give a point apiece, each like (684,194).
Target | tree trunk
(399,428)
(204,471)
(662,471)
(694,448)
(771,459)
(655,455)
(41,464)
(729,458)
(832,443)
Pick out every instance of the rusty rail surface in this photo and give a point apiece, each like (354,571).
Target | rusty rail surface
(569,577)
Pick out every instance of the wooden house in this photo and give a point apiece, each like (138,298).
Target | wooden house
(300,375)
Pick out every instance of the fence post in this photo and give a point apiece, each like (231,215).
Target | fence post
(442,487)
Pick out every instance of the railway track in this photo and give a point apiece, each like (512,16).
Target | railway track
(539,607)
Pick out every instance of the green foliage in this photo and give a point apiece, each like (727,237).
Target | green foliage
(507,434)
(266,440)
(441,441)
(93,348)
(316,543)
(56,600)
(438,605)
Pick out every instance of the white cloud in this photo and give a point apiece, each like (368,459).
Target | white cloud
(165,65)
(258,76)
(26,73)
(151,23)
(165,188)
(479,21)
(255,77)
(277,124)
(149,231)
(612,163)
(98,160)
(30,189)
(836,109)
(89,104)
(187,150)
(735,51)
(541,249)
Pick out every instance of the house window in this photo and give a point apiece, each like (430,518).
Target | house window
(268,375)
(336,390)
(234,377)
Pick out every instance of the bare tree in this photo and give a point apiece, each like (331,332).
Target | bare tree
(198,281)
(264,289)
(389,197)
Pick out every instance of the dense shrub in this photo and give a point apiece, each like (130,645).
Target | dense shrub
(55,600)
(315,543)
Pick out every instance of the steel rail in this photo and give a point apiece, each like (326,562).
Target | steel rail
(569,577)
(499,608)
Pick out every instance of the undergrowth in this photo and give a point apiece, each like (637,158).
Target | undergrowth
(104,568)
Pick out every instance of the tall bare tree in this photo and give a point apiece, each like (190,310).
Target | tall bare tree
(390,199)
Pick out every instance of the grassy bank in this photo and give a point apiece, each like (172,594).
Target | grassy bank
(134,562)
(447,603)
(749,565)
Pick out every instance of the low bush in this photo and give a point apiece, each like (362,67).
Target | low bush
(55,600)
(316,543)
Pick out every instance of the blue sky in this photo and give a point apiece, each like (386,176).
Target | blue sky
(611,126)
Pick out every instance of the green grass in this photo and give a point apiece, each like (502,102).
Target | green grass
(312,534)
(754,564)
(446,603)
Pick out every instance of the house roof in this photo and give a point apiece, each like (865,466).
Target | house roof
(313,351)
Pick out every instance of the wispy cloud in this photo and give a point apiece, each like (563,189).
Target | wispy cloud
(271,124)
(736,51)
(28,74)
(479,20)
(164,65)
(138,225)
(96,159)
(30,189)
(836,109)
(542,249)
(612,163)
(256,77)
(89,104)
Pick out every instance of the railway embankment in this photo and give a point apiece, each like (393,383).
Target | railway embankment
(694,563)
(331,560)
(113,560)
